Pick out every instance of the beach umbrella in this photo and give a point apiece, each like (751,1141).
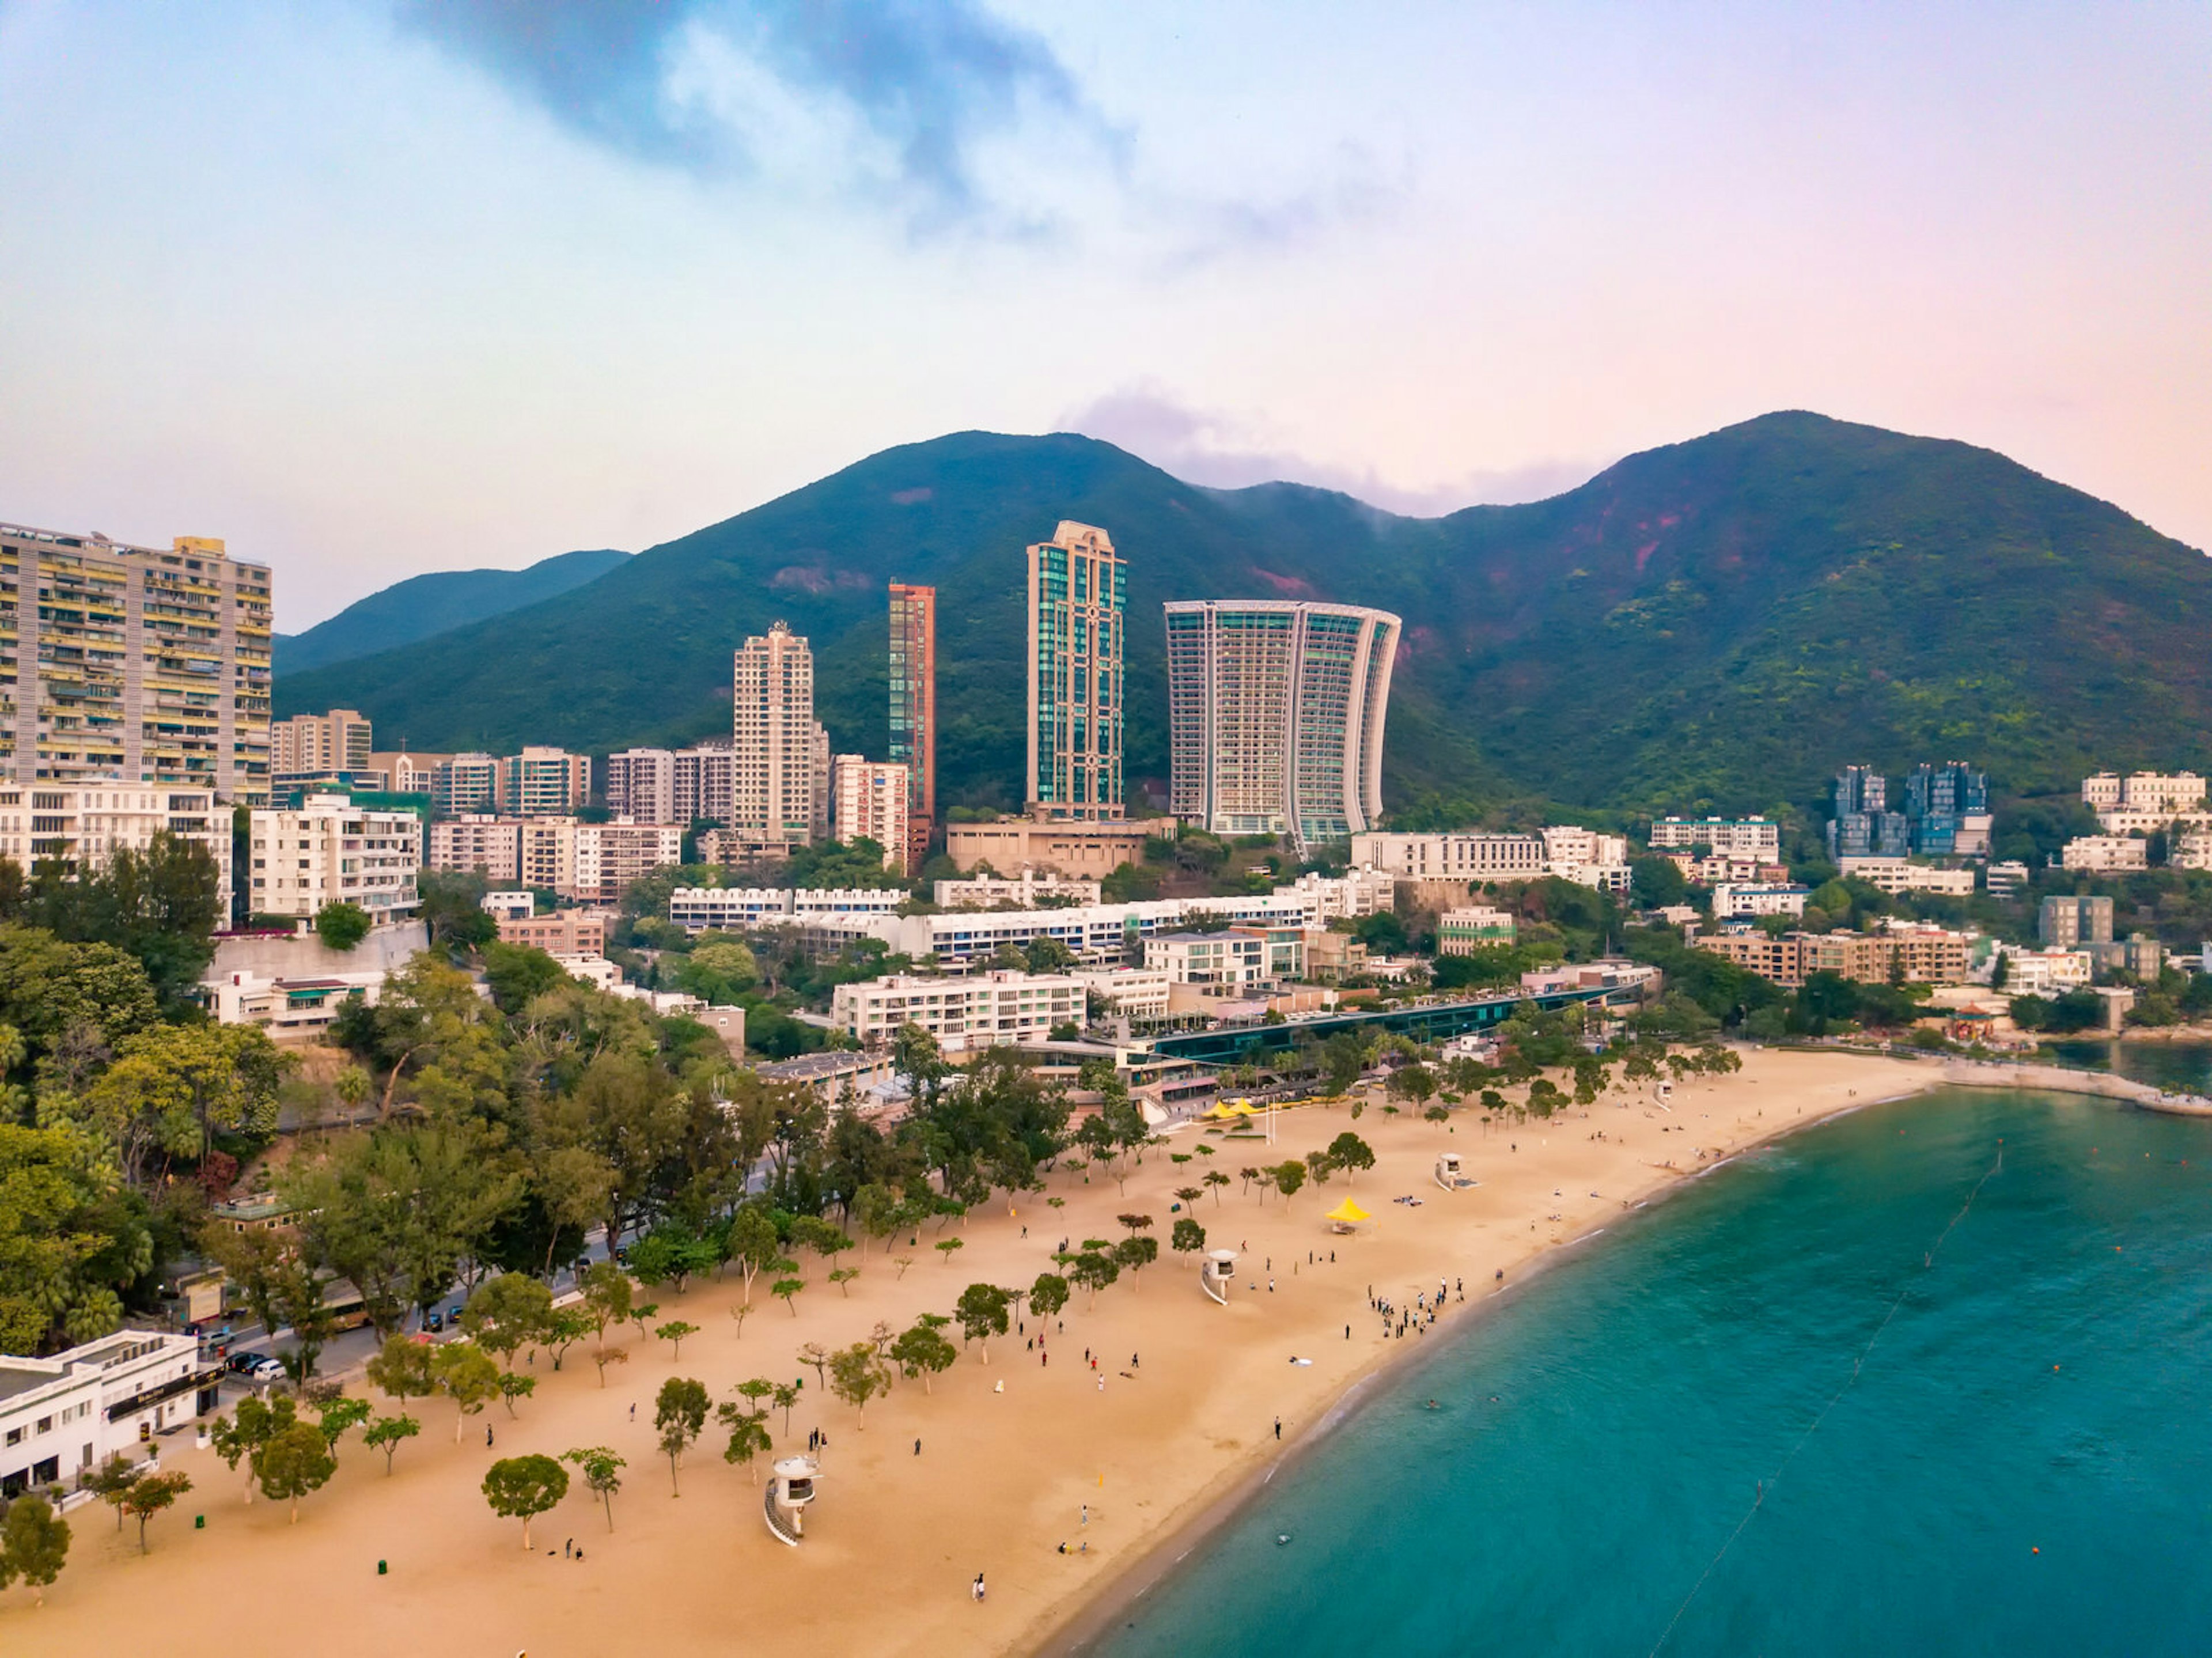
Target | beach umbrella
(1348,1214)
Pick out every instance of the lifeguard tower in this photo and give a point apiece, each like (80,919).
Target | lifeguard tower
(1450,1174)
(1215,1269)
(790,1489)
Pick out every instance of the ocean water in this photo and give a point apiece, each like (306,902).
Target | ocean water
(2185,1067)
(1973,1394)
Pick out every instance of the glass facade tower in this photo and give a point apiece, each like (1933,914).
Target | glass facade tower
(1077,592)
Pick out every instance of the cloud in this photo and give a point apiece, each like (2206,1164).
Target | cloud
(1206,447)
(886,95)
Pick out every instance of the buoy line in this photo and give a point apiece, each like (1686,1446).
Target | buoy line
(1928,1263)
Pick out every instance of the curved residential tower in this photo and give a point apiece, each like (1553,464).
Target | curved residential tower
(1275,710)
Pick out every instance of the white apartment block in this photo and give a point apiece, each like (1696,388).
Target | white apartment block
(74,827)
(2125,820)
(1712,870)
(1139,993)
(868,799)
(61,1416)
(2044,972)
(331,851)
(2190,850)
(1463,932)
(1895,875)
(2005,877)
(736,909)
(2161,793)
(1757,838)
(289,1010)
(2105,854)
(479,844)
(509,906)
(1731,901)
(977,1012)
(1025,891)
(543,782)
(1231,960)
(337,741)
(1348,897)
(1571,853)
(135,662)
(772,785)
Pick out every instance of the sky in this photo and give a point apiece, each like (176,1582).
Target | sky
(370,287)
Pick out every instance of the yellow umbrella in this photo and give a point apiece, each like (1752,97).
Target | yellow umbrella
(1348,1211)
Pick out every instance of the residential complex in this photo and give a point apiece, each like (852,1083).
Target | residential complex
(1864,826)
(1063,848)
(734,909)
(1233,960)
(1731,901)
(77,826)
(477,843)
(64,1416)
(563,932)
(982,1010)
(2165,794)
(1275,712)
(2065,921)
(465,783)
(592,863)
(774,793)
(914,708)
(543,782)
(672,785)
(1570,854)
(1758,839)
(869,798)
(2105,854)
(1077,592)
(1028,890)
(1946,814)
(1894,875)
(329,851)
(133,663)
(1921,954)
(320,744)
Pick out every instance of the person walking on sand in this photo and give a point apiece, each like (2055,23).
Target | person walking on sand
(976,1590)
(1086,1514)
(1278,1429)
(917,1447)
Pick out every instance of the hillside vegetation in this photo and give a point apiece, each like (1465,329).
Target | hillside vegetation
(1717,623)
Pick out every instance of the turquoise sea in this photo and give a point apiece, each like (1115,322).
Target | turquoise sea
(2024,1372)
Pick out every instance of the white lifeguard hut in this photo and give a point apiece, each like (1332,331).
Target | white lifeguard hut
(790,1489)
(1215,1269)
(1450,1174)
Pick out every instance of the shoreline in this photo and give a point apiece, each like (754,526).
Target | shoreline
(1089,1622)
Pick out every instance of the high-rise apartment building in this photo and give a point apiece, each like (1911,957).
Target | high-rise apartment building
(1077,592)
(1275,715)
(476,844)
(870,798)
(465,783)
(543,782)
(1863,827)
(339,741)
(914,708)
(73,827)
(705,777)
(774,794)
(1947,809)
(130,663)
(641,785)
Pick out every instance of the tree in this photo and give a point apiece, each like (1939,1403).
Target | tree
(982,1311)
(1412,1082)
(1188,1235)
(1133,1254)
(465,1374)
(787,1288)
(568,1327)
(749,1436)
(386,1432)
(945,1248)
(522,1487)
(607,1295)
(513,1386)
(602,1471)
(1348,1150)
(680,1413)
(151,1493)
(171,1090)
(109,1481)
(1091,1271)
(1289,1178)
(336,1416)
(923,1351)
(341,925)
(507,1313)
(295,1461)
(785,1397)
(1049,1295)
(856,1374)
(1217,1180)
(34,1544)
(674,1332)
(401,1369)
(242,1437)
(751,1241)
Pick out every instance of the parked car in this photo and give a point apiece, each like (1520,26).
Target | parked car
(433,1320)
(241,1364)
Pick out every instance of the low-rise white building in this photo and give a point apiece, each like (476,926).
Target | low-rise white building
(331,851)
(1564,850)
(1028,890)
(1463,932)
(736,909)
(2043,972)
(980,1011)
(1351,897)
(1731,901)
(837,1075)
(291,1009)
(1234,957)
(61,1416)
(1139,994)
(2143,791)
(1757,838)
(596,971)
(2005,878)
(1894,875)
(2193,850)
(2105,854)
(75,827)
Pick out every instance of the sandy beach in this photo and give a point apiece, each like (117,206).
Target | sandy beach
(1185,1417)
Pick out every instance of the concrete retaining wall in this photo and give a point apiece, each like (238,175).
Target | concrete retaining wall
(306,957)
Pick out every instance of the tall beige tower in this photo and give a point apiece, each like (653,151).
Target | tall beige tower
(1077,592)
(774,790)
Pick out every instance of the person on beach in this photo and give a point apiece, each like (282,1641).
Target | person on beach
(976,1590)
(1278,1429)
(1086,1514)
(917,1447)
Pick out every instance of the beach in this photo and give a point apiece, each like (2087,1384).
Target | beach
(1119,1463)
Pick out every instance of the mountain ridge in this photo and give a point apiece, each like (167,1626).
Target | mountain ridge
(1715,623)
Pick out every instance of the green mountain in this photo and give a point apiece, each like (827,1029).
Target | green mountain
(1714,624)
(424,606)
